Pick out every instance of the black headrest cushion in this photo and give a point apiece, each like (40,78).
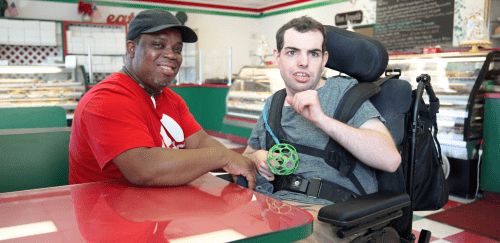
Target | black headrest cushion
(354,54)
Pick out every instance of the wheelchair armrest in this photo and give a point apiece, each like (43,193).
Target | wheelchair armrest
(364,209)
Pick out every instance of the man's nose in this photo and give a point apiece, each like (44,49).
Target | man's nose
(169,53)
(303,60)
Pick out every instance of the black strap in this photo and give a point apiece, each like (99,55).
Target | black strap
(356,96)
(316,187)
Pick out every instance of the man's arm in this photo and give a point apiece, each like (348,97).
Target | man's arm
(371,143)
(173,167)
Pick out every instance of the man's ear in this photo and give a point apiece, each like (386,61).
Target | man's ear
(325,58)
(276,56)
(130,48)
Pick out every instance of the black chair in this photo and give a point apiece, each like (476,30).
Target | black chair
(385,216)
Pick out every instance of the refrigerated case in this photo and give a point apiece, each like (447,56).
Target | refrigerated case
(31,86)
(458,83)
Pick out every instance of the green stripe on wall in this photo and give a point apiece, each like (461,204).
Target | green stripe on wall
(199,11)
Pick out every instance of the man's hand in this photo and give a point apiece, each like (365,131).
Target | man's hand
(307,104)
(240,165)
(259,158)
(262,166)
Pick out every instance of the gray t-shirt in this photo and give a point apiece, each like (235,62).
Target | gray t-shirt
(302,131)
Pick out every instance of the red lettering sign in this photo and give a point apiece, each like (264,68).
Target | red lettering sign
(121,19)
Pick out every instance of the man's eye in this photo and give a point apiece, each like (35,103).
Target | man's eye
(178,50)
(314,54)
(158,45)
(291,53)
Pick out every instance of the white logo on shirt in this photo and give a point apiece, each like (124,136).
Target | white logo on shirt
(175,132)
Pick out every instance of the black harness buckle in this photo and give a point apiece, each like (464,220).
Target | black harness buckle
(314,187)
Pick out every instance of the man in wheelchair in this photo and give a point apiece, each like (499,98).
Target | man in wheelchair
(307,124)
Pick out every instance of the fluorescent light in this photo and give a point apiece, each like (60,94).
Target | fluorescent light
(24,230)
(30,69)
(226,235)
(433,60)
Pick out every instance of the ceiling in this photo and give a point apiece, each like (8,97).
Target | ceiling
(257,4)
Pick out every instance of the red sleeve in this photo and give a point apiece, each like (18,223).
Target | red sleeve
(113,123)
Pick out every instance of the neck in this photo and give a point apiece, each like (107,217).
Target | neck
(151,92)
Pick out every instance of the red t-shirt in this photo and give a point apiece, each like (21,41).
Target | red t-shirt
(117,115)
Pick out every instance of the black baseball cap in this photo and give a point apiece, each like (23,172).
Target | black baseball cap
(153,20)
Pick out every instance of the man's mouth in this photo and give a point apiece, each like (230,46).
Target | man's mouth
(167,70)
(301,76)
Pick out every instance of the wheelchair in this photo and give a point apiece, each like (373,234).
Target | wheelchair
(385,216)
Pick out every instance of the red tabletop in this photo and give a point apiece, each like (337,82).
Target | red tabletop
(207,210)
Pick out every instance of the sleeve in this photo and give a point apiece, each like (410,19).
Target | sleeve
(365,112)
(114,122)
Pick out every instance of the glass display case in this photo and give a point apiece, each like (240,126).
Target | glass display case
(250,90)
(460,81)
(453,76)
(28,86)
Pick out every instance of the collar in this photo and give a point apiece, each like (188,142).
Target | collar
(151,92)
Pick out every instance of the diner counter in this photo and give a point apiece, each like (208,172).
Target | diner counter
(207,210)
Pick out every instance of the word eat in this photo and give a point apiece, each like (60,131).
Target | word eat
(121,19)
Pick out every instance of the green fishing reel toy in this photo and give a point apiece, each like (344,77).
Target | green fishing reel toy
(285,158)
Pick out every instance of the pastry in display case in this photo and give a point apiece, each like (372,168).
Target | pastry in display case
(30,86)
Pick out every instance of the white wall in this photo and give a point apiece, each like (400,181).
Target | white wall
(217,33)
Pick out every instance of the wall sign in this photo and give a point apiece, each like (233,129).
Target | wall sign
(120,19)
(355,17)
(406,24)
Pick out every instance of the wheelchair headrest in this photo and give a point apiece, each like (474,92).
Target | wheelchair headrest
(354,54)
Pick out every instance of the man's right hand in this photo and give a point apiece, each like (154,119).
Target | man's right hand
(240,165)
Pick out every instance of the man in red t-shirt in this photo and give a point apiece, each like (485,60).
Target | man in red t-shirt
(132,126)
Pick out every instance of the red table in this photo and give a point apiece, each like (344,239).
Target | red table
(207,210)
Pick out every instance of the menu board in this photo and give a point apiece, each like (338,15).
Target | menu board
(406,24)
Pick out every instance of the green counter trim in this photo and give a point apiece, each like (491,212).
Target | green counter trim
(287,235)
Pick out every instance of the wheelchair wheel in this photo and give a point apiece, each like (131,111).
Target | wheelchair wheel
(446,166)
(389,235)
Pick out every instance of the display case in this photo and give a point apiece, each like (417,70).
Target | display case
(250,90)
(30,86)
(453,76)
(460,81)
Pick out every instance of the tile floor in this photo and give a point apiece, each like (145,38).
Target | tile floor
(441,233)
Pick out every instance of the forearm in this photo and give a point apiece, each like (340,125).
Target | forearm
(169,167)
(374,147)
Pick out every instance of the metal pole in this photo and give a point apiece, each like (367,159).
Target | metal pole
(199,66)
(229,70)
(90,65)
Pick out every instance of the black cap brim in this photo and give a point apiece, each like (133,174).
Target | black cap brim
(188,35)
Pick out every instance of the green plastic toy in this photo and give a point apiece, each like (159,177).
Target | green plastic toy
(285,157)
